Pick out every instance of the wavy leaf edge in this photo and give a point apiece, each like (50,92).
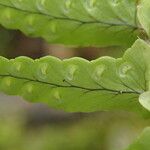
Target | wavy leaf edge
(111,81)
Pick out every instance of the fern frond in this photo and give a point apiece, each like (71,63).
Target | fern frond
(80,85)
(97,23)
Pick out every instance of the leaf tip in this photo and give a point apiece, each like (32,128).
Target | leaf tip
(144,100)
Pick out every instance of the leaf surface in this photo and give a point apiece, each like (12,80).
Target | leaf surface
(78,85)
(143,15)
(74,22)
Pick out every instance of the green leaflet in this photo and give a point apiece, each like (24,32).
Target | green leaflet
(143,15)
(144,99)
(142,143)
(96,22)
(78,85)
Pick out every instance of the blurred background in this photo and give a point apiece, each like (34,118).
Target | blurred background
(27,126)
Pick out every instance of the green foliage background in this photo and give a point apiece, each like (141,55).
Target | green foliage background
(96,131)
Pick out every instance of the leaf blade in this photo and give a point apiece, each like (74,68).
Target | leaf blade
(78,85)
(97,23)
